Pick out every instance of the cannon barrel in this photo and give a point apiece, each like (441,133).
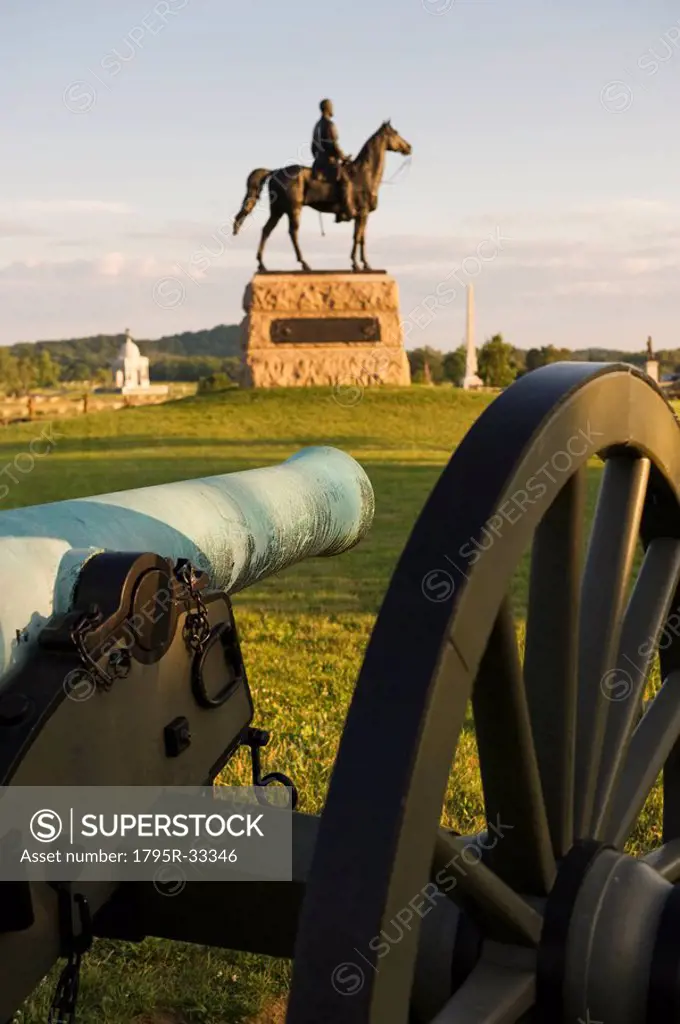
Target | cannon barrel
(238,527)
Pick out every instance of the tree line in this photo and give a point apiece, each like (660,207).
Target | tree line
(500,363)
(198,355)
(190,356)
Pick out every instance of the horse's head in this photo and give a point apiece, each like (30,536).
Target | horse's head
(394,141)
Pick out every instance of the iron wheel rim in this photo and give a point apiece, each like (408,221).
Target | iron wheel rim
(376,843)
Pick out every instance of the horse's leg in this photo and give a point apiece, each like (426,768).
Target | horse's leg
(275,215)
(362,240)
(293,228)
(355,245)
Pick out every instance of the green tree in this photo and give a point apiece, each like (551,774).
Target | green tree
(545,355)
(26,374)
(9,375)
(453,365)
(79,370)
(417,358)
(46,370)
(191,368)
(496,365)
(518,360)
(102,377)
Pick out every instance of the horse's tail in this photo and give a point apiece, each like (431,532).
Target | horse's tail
(254,185)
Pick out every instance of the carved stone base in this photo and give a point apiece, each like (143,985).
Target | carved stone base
(325,328)
(472,383)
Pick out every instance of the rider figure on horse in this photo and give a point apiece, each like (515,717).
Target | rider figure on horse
(329,161)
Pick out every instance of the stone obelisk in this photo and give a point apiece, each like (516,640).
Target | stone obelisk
(471,380)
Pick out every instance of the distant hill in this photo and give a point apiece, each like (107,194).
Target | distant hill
(193,355)
(195,352)
(611,355)
(668,358)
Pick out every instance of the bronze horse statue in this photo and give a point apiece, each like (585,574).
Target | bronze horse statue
(292,187)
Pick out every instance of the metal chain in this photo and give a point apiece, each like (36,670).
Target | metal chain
(197,624)
(63,1007)
(91,670)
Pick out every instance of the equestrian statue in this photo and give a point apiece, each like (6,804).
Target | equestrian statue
(334,184)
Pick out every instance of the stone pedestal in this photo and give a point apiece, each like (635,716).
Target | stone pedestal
(652,369)
(322,328)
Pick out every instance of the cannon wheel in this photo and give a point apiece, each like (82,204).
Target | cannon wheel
(568,927)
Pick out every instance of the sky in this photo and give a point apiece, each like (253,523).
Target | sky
(544,170)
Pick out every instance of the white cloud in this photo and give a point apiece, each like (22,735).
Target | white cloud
(36,272)
(632,207)
(110,265)
(574,277)
(184,231)
(593,288)
(19,229)
(59,206)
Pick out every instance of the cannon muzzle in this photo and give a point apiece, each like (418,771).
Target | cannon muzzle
(239,528)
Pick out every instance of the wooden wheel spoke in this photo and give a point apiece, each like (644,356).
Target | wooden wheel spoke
(651,744)
(671,796)
(607,571)
(645,615)
(666,860)
(493,994)
(475,885)
(550,660)
(439,933)
(510,776)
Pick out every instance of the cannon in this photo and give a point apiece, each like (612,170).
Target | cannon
(389,917)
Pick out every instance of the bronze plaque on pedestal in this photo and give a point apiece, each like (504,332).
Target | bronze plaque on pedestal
(325,330)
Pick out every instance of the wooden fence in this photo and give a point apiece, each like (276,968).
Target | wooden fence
(65,404)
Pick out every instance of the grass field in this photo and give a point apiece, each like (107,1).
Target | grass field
(303,633)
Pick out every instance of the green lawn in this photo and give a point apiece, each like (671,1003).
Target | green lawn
(303,633)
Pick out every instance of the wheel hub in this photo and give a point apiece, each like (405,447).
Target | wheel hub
(610,946)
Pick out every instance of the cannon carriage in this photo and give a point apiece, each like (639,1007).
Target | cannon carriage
(389,918)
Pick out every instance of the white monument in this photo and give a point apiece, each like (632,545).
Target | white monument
(651,364)
(131,368)
(470,380)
